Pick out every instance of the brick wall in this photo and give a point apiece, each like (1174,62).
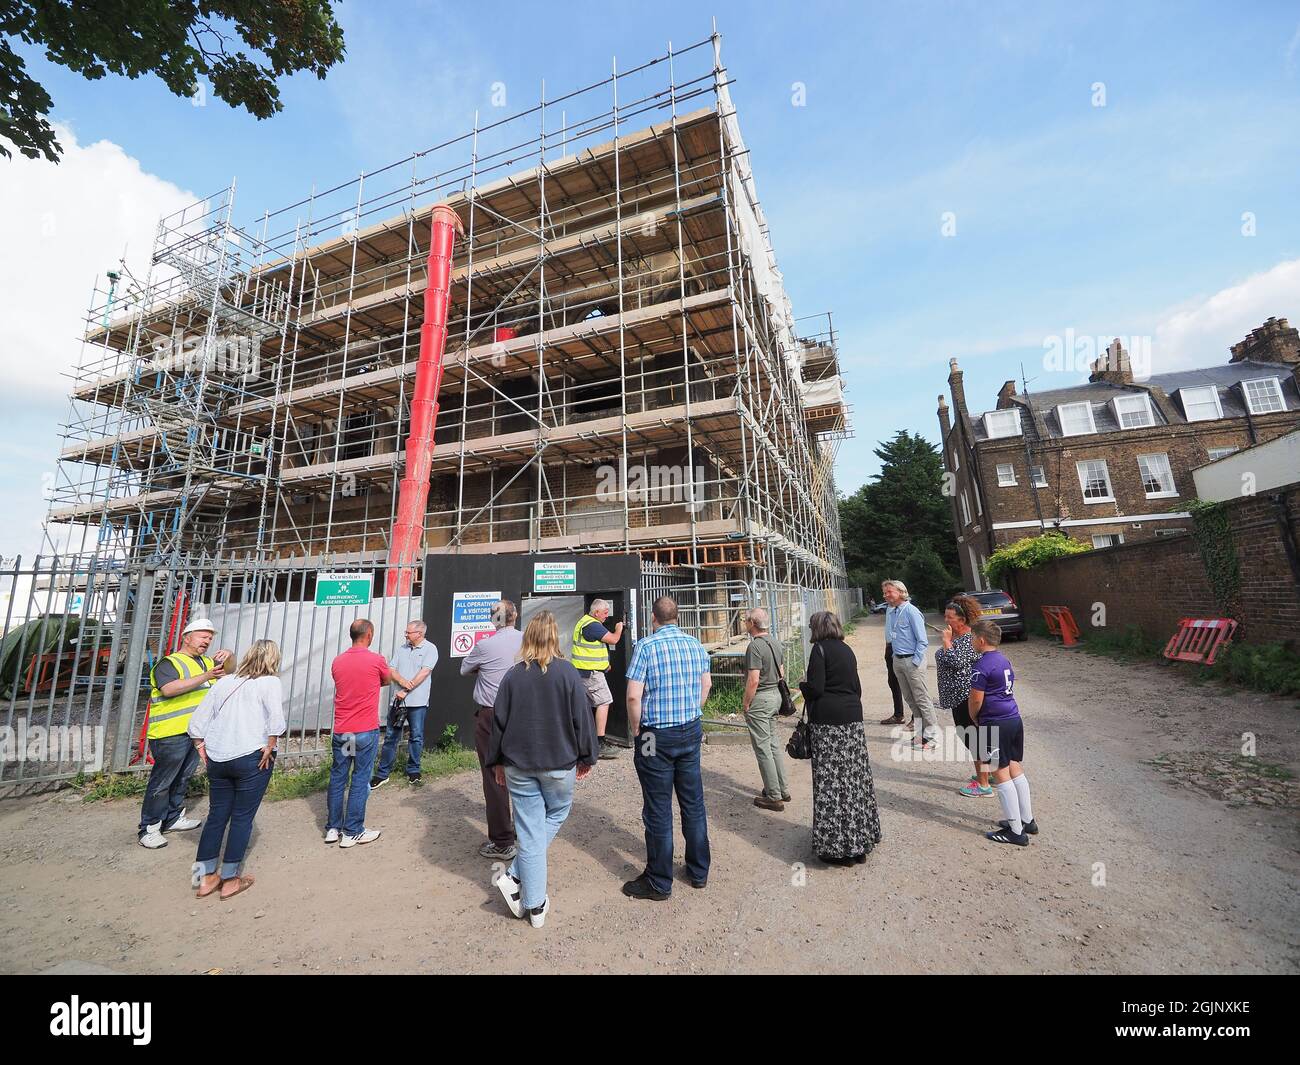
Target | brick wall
(1155,583)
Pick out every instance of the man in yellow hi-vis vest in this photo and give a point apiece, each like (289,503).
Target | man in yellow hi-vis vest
(178,683)
(591,644)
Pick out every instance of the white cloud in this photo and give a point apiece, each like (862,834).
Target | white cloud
(64,226)
(1200,332)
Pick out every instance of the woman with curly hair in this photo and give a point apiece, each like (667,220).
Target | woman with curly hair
(953,662)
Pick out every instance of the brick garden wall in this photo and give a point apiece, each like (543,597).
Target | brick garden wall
(1154,583)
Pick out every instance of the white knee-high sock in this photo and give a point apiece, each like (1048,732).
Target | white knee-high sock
(1011,806)
(1022,793)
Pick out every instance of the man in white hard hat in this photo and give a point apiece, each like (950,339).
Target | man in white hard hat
(178,684)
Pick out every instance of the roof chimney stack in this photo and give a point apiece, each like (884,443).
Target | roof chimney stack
(956,387)
(1274,341)
(1113,367)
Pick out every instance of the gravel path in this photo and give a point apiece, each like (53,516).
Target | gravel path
(1191,883)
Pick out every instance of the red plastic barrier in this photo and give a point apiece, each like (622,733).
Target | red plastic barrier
(1060,622)
(1199,639)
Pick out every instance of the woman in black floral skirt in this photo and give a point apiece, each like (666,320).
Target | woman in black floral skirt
(846,823)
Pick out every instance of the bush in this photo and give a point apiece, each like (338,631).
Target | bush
(1269,667)
(1129,643)
(1029,552)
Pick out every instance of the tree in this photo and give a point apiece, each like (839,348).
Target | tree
(178,40)
(928,582)
(884,521)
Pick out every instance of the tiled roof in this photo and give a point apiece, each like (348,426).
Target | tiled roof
(1225,378)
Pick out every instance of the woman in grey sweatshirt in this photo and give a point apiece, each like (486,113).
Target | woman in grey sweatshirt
(543,739)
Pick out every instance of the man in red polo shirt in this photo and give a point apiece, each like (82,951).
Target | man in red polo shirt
(359,674)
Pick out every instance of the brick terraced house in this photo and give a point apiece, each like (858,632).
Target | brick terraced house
(1109,461)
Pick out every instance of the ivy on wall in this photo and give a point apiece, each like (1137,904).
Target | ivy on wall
(1213,534)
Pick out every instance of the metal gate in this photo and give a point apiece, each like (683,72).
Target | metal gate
(79,642)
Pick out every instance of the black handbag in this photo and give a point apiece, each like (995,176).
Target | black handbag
(800,743)
(396,713)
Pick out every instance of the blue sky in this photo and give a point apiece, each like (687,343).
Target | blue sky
(1119,220)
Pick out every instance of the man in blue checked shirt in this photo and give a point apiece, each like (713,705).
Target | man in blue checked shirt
(905,632)
(668,681)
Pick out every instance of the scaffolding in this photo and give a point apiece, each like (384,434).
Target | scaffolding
(623,369)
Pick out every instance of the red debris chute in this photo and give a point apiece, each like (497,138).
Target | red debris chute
(407,542)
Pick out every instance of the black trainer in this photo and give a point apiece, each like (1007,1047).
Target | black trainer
(1005,835)
(1031,827)
(378,782)
(641,888)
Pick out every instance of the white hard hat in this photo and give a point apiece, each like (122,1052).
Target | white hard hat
(199,625)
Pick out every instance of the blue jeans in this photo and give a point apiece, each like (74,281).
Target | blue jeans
(354,754)
(541,803)
(174,762)
(673,766)
(393,736)
(235,790)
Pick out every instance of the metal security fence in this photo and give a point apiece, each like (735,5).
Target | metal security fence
(80,640)
(714,612)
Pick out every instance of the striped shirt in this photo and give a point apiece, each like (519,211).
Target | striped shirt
(671,664)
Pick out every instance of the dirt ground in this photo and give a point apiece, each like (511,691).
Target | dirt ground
(1138,868)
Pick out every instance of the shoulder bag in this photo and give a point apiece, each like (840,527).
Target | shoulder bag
(787,703)
(800,743)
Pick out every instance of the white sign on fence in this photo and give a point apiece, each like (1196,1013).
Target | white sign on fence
(471,620)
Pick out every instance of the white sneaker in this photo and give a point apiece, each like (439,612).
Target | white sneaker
(332,836)
(368,836)
(153,837)
(509,888)
(537,918)
(184,824)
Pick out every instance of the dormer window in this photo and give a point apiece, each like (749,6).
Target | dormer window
(1201,404)
(1076,419)
(999,423)
(1263,396)
(1134,412)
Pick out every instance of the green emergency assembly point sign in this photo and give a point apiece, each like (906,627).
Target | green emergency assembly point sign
(555,576)
(343,589)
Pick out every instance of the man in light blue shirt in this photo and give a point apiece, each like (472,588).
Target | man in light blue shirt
(905,632)
(415,660)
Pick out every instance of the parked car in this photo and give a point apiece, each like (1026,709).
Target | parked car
(997,606)
(878,608)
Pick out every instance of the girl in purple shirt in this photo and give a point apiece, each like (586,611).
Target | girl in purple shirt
(1001,736)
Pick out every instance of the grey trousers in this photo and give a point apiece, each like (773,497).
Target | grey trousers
(767,748)
(911,678)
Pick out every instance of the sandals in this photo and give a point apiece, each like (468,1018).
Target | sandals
(196,881)
(245,882)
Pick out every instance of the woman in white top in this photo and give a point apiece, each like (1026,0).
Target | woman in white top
(235,730)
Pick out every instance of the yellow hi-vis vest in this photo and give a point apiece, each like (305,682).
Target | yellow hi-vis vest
(171,716)
(589,654)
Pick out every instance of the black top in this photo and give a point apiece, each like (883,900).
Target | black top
(831,690)
(542,721)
